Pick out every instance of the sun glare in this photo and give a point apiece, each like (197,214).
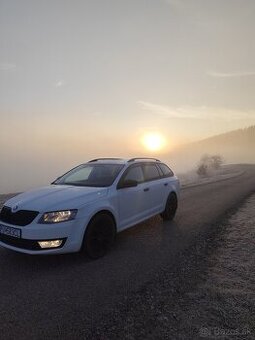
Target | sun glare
(153,141)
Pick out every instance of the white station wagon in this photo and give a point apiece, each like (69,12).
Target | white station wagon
(87,206)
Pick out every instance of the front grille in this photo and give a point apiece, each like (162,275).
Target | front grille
(21,217)
(24,243)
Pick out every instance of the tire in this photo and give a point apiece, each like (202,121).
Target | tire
(171,207)
(99,236)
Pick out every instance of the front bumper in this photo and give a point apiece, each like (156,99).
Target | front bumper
(27,244)
(71,232)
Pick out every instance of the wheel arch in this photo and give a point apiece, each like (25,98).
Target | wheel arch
(172,192)
(107,212)
(97,213)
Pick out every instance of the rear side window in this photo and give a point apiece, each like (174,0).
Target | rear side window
(166,171)
(151,172)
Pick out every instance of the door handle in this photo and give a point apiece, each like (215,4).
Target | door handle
(165,184)
(146,189)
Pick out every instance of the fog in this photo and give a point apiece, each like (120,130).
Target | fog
(88,78)
(235,147)
(26,168)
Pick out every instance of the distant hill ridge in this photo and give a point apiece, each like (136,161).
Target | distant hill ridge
(236,146)
(243,136)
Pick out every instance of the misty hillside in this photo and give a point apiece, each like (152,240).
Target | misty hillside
(239,139)
(236,146)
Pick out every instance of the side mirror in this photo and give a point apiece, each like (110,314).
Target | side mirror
(128,184)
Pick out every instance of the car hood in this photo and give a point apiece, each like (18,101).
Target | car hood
(55,197)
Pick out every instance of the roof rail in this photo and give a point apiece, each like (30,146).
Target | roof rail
(105,158)
(146,158)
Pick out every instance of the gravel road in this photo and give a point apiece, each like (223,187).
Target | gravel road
(208,294)
(71,297)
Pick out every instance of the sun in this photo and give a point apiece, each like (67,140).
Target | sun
(153,141)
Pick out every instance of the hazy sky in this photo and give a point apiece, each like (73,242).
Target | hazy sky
(81,78)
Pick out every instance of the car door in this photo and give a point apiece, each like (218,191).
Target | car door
(155,188)
(169,181)
(133,202)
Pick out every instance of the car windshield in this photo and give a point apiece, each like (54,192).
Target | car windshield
(91,175)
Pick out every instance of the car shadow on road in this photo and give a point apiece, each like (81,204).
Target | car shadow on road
(147,238)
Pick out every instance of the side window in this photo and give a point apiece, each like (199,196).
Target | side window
(135,173)
(151,172)
(166,171)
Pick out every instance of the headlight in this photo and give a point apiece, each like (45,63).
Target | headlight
(58,216)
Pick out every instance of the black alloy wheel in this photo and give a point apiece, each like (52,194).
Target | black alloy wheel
(99,236)
(171,207)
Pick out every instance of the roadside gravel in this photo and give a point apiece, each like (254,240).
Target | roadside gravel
(208,294)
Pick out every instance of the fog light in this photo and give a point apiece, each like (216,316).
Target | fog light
(50,243)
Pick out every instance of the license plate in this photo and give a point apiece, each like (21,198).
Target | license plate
(10,231)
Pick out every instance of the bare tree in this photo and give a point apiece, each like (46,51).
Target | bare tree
(209,162)
(217,161)
(202,170)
